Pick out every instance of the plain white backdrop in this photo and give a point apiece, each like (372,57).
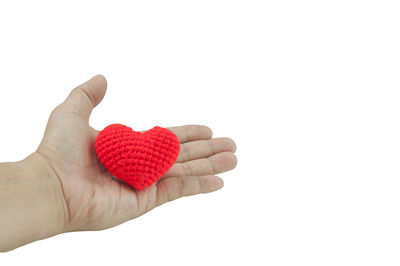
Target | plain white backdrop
(309,90)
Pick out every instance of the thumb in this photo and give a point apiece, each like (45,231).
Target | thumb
(85,97)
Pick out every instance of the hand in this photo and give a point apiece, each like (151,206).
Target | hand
(92,198)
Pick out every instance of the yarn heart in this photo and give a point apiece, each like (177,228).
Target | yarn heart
(139,159)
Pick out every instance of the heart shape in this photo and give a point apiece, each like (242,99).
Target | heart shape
(139,159)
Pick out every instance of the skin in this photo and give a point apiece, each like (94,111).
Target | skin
(62,187)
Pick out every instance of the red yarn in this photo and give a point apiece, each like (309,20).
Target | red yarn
(139,159)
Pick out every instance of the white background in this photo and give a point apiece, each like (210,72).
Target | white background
(309,90)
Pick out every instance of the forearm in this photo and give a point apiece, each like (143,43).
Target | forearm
(30,205)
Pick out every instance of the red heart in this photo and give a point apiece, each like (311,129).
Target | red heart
(139,159)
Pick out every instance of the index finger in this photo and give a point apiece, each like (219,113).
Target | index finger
(191,132)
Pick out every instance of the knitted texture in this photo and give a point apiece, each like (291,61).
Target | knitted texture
(139,159)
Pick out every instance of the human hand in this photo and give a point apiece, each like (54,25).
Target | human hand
(92,198)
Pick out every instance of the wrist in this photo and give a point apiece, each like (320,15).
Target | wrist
(32,204)
(41,169)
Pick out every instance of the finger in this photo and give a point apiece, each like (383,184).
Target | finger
(177,187)
(191,132)
(204,148)
(85,97)
(215,164)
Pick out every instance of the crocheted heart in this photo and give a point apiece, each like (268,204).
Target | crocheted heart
(139,159)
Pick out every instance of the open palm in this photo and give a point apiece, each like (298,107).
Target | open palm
(93,198)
